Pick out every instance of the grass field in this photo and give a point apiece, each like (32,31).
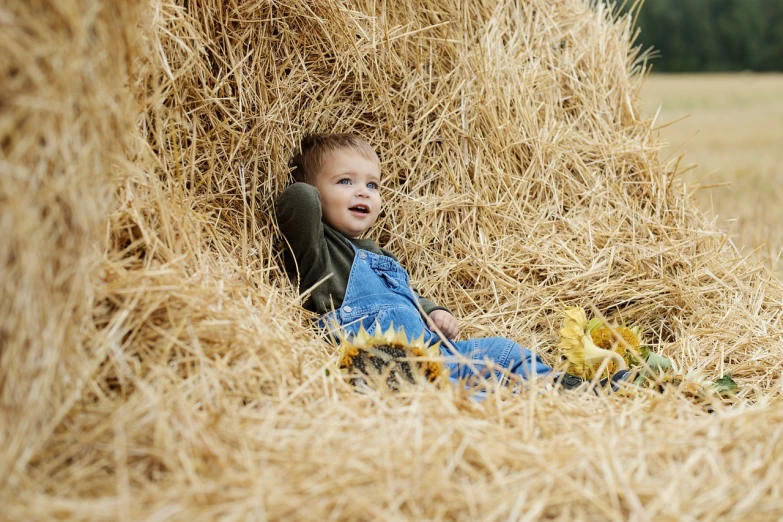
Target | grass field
(731,132)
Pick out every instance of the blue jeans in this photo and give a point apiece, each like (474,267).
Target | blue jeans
(378,295)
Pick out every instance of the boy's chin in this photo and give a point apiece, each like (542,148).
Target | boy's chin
(354,234)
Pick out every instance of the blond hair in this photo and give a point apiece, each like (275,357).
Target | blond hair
(315,148)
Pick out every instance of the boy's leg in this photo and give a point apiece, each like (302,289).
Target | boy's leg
(504,354)
(507,355)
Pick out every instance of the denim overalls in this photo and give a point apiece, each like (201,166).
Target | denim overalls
(378,294)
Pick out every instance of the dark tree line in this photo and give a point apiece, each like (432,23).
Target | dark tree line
(713,35)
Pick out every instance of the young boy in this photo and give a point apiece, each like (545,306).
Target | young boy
(354,282)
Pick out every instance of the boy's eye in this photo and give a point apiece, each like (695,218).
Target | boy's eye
(344,181)
(372,185)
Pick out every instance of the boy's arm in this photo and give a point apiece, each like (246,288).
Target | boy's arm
(299,219)
(439,317)
(428,306)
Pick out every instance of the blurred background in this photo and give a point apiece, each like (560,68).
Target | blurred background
(717,88)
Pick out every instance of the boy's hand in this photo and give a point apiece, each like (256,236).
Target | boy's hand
(445,322)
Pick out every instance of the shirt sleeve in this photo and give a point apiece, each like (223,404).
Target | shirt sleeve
(429,306)
(299,219)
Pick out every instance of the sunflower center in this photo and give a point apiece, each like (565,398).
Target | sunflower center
(603,337)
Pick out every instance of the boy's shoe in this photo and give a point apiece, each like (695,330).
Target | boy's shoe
(567,381)
(620,376)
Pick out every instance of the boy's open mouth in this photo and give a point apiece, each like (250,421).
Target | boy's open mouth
(362,209)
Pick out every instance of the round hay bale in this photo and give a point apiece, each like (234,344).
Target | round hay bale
(65,118)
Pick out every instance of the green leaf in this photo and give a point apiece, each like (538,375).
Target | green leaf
(725,384)
(641,379)
(658,363)
(592,324)
(644,351)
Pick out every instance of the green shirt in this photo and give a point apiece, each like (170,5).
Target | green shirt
(317,250)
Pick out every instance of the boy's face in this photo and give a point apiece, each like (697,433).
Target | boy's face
(349,185)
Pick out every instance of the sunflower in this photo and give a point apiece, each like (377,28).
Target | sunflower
(386,357)
(578,348)
(587,344)
(618,339)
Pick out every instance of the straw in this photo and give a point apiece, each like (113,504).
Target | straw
(156,363)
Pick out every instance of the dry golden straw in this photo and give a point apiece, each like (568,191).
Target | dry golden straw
(156,364)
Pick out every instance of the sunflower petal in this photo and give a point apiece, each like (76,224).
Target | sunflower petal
(594,355)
